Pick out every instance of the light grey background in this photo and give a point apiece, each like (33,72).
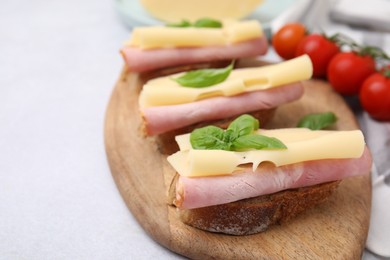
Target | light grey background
(59,61)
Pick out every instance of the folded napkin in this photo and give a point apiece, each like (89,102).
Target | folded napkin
(373,14)
(337,16)
(377,135)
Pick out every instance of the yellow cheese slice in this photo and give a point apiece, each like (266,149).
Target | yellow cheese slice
(169,37)
(302,145)
(175,10)
(165,91)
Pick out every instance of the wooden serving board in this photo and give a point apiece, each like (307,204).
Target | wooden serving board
(336,229)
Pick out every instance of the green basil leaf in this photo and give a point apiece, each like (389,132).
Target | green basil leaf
(183,23)
(317,121)
(201,23)
(244,125)
(257,142)
(237,137)
(204,77)
(208,23)
(229,137)
(209,138)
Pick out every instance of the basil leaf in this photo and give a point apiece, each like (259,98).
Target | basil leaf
(238,136)
(201,23)
(209,138)
(229,137)
(257,142)
(317,121)
(244,125)
(208,23)
(183,23)
(204,77)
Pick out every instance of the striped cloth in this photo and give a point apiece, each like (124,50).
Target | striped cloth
(343,16)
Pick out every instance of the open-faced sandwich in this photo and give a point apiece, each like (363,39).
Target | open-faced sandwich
(202,41)
(181,101)
(243,179)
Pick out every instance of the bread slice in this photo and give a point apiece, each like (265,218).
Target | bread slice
(254,215)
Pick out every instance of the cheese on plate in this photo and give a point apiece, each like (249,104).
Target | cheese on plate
(175,10)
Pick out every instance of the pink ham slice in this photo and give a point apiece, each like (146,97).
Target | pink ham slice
(267,179)
(139,60)
(162,119)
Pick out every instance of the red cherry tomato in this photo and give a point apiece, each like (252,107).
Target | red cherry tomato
(320,50)
(375,96)
(348,70)
(286,39)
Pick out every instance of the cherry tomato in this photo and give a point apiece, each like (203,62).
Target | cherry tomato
(320,50)
(286,39)
(348,70)
(375,96)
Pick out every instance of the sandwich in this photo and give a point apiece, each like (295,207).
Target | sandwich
(185,43)
(180,102)
(244,179)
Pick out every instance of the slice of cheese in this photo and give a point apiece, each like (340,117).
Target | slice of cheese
(302,145)
(165,91)
(170,37)
(175,10)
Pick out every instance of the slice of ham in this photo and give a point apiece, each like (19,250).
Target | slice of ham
(162,119)
(267,179)
(138,60)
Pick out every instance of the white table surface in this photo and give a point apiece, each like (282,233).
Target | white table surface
(59,61)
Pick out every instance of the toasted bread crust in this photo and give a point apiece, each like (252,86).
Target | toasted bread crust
(254,215)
